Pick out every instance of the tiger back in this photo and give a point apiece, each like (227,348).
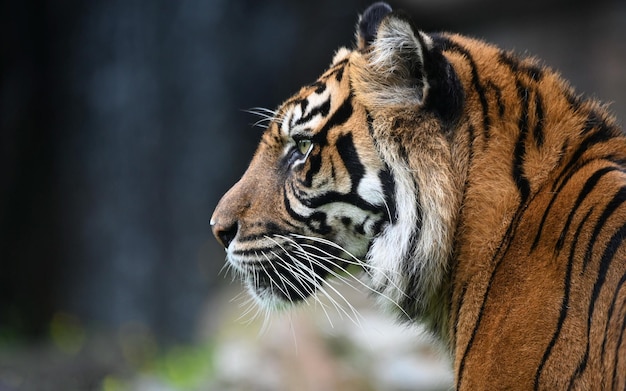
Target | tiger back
(477,193)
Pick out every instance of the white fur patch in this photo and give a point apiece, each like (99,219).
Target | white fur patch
(389,251)
(370,188)
(397,267)
(340,55)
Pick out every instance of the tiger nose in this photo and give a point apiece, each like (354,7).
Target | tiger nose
(224,232)
(229,213)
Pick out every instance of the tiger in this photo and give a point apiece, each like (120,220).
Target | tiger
(473,189)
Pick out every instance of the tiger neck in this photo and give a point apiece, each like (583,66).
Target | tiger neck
(521,125)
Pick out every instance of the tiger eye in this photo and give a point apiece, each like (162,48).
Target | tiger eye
(304,146)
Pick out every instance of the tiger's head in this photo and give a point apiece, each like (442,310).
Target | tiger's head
(355,169)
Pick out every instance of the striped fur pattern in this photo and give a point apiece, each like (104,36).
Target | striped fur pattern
(474,189)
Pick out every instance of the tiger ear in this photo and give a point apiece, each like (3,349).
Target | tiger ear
(369,22)
(394,53)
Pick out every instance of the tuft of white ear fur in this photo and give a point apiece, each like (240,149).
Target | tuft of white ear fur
(394,73)
(396,46)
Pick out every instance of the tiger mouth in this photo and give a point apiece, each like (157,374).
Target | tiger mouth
(284,284)
(291,283)
(288,277)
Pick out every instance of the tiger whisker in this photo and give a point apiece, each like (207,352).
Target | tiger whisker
(284,281)
(260,123)
(251,302)
(301,268)
(266,311)
(258,110)
(267,322)
(307,279)
(336,275)
(330,257)
(316,299)
(266,114)
(344,270)
(355,261)
(345,281)
(226,268)
(293,333)
(299,271)
(239,296)
(301,276)
(250,306)
(357,315)
(388,210)
(272,281)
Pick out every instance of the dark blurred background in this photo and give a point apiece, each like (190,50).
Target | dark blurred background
(121,125)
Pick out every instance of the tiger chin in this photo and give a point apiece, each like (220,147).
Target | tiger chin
(477,193)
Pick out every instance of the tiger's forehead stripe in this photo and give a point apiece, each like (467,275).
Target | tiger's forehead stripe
(305,112)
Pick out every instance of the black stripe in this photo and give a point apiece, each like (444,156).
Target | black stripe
(518,66)
(314,164)
(320,86)
(618,289)
(589,141)
(322,109)
(351,198)
(449,45)
(457,311)
(562,183)
(617,355)
(499,255)
(470,343)
(565,301)
(388,182)
(575,101)
(304,103)
(337,70)
(339,73)
(544,217)
(289,223)
(539,118)
(498,95)
(318,224)
(446,96)
(519,152)
(555,194)
(604,132)
(292,213)
(605,261)
(593,121)
(386,177)
(618,199)
(339,117)
(590,184)
(350,157)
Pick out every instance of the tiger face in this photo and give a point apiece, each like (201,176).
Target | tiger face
(313,197)
(334,186)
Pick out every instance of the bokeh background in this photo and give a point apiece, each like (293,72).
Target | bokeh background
(122,124)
